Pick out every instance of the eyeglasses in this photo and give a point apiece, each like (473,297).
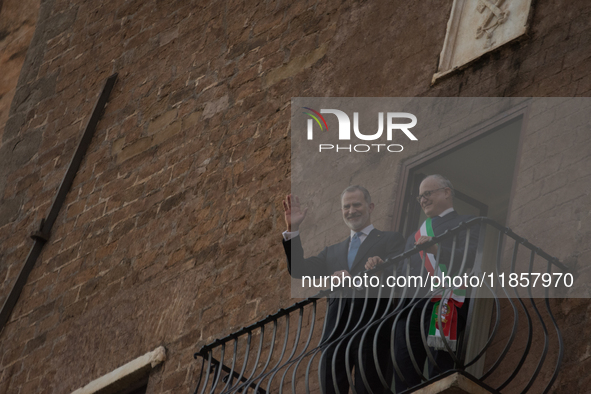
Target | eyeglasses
(428,194)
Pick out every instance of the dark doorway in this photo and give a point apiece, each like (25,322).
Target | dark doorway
(481,171)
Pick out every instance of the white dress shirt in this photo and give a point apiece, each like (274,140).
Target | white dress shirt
(448,210)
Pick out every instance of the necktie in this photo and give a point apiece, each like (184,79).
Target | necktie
(355,243)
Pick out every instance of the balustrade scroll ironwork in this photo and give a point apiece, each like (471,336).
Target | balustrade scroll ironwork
(282,352)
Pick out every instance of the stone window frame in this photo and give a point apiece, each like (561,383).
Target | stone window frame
(520,109)
(128,377)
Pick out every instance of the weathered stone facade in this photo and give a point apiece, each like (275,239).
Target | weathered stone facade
(17,26)
(170,233)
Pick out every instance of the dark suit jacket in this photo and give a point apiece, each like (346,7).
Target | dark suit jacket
(333,258)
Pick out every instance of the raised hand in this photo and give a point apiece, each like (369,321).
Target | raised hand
(294,215)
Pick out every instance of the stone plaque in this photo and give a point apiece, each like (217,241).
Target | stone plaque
(479,26)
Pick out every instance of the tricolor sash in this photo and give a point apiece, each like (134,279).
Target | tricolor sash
(450,300)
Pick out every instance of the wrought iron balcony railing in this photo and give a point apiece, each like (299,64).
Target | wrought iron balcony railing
(511,341)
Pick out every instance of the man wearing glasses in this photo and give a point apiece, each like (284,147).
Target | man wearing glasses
(436,199)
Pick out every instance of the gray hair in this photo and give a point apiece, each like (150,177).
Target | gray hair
(443,182)
(354,188)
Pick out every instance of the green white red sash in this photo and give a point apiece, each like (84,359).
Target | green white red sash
(450,300)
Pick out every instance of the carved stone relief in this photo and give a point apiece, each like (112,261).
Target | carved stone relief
(479,26)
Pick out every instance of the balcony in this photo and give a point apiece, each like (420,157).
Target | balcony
(511,342)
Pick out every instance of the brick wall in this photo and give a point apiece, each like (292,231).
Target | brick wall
(551,207)
(170,233)
(17,25)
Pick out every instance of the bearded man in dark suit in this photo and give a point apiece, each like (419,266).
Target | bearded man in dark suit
(436,199)
(363,249)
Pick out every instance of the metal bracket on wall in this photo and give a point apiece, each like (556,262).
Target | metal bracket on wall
(42,235)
